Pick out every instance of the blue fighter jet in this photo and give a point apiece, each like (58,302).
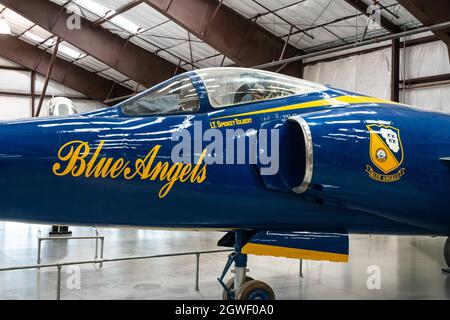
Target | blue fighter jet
(285,167)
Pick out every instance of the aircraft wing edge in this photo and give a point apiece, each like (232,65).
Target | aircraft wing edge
(332,247)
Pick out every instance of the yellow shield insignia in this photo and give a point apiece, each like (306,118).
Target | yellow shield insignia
(386,152)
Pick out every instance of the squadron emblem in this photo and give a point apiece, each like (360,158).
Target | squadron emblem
(386,153)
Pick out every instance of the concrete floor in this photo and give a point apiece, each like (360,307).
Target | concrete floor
(410,267)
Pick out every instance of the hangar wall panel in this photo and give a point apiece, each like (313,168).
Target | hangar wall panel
(366,74)
(426,60)
(371,74)
(15,81)
(14,107)
(436,99)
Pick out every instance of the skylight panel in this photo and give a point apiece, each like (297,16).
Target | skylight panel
(126,24)
(94,7)
(105,12)
(63,49)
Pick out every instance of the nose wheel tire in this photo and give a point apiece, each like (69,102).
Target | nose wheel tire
(255,290)
(447,252)
(230,286)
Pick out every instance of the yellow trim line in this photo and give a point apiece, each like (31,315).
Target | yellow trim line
(338,101)
(274,251)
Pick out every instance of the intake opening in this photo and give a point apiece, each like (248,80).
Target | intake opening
(296,156)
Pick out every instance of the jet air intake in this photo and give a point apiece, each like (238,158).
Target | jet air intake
(295,156)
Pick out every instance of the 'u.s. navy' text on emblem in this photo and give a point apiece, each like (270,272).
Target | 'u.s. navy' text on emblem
(386,153)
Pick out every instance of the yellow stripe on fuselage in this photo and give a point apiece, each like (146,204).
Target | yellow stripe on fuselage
(293,253)
(338,101)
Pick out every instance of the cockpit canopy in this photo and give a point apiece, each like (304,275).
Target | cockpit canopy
(232,86)
(225,87)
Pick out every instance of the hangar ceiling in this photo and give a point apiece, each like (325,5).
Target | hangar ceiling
(137,43)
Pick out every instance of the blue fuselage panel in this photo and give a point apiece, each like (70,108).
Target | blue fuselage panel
(349,191)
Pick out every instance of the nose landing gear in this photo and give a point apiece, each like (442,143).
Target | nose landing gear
(242,287)
(255,290)
(230,285)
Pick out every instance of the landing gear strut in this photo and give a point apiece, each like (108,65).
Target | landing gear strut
(241,287)
(447,255)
